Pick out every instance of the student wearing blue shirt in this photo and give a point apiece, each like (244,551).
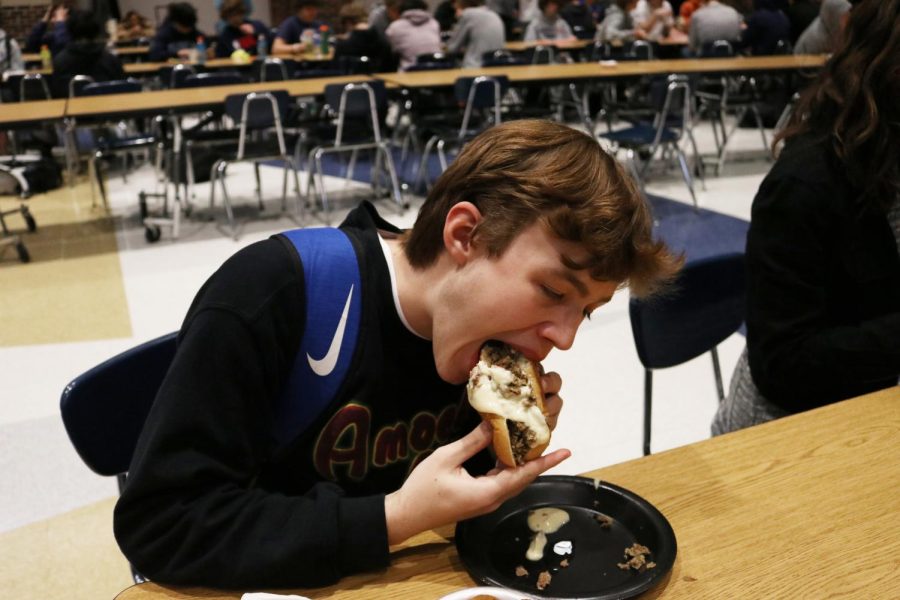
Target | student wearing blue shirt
(51,31)
(290,32)
(239,33)
(178,34)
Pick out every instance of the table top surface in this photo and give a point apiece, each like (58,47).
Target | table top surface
(675,38)
(23,113)
(597,70)
(805,506)
(194,98)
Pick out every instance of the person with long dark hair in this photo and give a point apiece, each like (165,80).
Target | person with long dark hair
(823,250)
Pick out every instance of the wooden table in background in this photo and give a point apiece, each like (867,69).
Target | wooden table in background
(193,99)
(806,506)
(595,70)
(20,114)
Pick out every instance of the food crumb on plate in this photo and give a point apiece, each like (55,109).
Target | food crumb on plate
(605,522)
(521,571)
(637,558)
(543,580)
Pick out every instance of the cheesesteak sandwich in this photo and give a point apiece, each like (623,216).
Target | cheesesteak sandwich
(505,388)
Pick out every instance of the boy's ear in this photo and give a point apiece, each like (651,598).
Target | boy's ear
(458,229)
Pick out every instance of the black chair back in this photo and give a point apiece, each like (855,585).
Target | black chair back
(448,58)
(101,88)
(428,66)
(212,79)
(259,108)
(357,103)
(174,76)
(484,95)
(356,65)
(540,55)
(706,306)
(273,69)
(104,409)
(316,73)
(717,49)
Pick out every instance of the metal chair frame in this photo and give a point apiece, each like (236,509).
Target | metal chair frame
(381,145)
(675,84)
(218,170)
(463,132)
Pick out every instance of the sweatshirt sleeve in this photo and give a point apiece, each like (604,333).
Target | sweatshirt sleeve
(799,357)
(460,36)
(191,512)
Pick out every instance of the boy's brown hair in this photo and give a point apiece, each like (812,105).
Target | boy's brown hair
(521,172)
(232,8)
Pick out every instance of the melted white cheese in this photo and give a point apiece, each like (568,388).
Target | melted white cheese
(489,393)
(547,520)
(543,521)
(536,548)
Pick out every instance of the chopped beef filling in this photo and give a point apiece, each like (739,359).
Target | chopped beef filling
(543,579)
(521,439)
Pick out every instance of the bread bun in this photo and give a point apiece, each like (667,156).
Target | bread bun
(505,388)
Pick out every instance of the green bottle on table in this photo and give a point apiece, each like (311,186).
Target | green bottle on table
(324,45)
(46,58)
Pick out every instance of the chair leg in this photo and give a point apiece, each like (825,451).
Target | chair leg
(718,373)
(422,173)
(395,181)
(686,173)
(97,175)
(352,166)
(258,185)
(221,167)
(298,202)
(320,185)
(442,155)
(648,408)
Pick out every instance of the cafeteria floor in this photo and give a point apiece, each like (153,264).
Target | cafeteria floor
(74,306)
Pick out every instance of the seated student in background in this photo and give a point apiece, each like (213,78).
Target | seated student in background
(478,30)
(10,54)
(824,33)
(548,25)
(823,250)
(531,228)
(580,17)
(178,34)
(358,39)
(685,11)
(414,32)
(766,25)
(86,54)
(509,13)
(50,31)
(292,36)
(220,24)
(445,14)
(383,14)
(654,17)
(134,26)
(239,33)
(801,13)
(711,22)
(618,26)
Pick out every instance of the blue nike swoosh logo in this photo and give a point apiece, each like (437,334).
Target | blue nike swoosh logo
(325,365)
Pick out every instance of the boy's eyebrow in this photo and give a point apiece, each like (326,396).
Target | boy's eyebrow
(569,276)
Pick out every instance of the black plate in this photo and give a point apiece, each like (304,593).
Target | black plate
(491,546)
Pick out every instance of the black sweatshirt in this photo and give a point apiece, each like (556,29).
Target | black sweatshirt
(212,500)
(823,313)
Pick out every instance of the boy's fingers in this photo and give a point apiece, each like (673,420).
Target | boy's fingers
(472,443)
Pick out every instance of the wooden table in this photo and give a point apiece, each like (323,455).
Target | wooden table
(595,70)
(570,44)
(806,506)
(152,67)
(21,114)
(192,99)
